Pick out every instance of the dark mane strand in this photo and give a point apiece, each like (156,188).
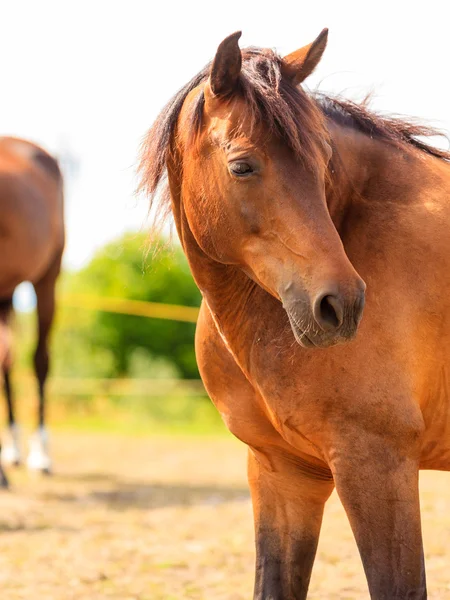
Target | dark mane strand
(156,146)
(394,129)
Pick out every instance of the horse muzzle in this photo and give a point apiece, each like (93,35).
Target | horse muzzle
(329,318)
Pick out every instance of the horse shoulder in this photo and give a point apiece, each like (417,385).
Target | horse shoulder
(233,394)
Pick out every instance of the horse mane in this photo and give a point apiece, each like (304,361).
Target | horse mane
(394,129)
(296,117)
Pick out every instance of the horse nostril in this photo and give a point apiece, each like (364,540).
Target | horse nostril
(328,312)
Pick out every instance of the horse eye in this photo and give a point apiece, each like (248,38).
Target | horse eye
(241,169)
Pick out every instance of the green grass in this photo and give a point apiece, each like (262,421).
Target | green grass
(131,407)
(160,416)
(133,415)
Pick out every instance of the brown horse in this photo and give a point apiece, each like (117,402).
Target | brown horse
(284,202)
(31,243)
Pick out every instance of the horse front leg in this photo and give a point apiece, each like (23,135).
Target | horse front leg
(38,458)
(377,483)
(11,449)
(9,453)
(288,501)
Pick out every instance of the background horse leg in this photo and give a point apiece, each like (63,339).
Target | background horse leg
(38,457)
(11,449)
(9,396)
(3,479)
(288,497)
(378,486)
(10,452)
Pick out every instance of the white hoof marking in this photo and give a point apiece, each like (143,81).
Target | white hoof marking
(10,449)
(38,457)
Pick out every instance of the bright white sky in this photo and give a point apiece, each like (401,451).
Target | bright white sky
(88,77)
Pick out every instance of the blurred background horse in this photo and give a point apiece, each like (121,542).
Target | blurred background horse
(31,247)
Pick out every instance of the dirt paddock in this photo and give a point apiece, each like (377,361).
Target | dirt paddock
(168,519)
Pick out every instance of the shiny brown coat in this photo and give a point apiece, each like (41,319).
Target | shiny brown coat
(287,237)
(31,246)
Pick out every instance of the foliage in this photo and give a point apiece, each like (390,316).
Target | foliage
(102,344)
(126,406)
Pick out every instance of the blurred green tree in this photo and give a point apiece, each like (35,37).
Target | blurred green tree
(102,344)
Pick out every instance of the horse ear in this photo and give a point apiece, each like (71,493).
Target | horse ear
(300,64)
(226,66)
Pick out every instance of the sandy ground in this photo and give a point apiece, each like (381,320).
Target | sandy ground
(168,519)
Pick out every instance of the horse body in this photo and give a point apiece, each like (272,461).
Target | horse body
(31,242)
(31,208)
(415,331)
(269,243)
(303,412)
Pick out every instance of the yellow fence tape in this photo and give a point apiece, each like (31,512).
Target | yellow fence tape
(91,386)
(155,310)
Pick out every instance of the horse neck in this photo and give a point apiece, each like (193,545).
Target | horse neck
(219,283)
(365,169)
(238,306)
